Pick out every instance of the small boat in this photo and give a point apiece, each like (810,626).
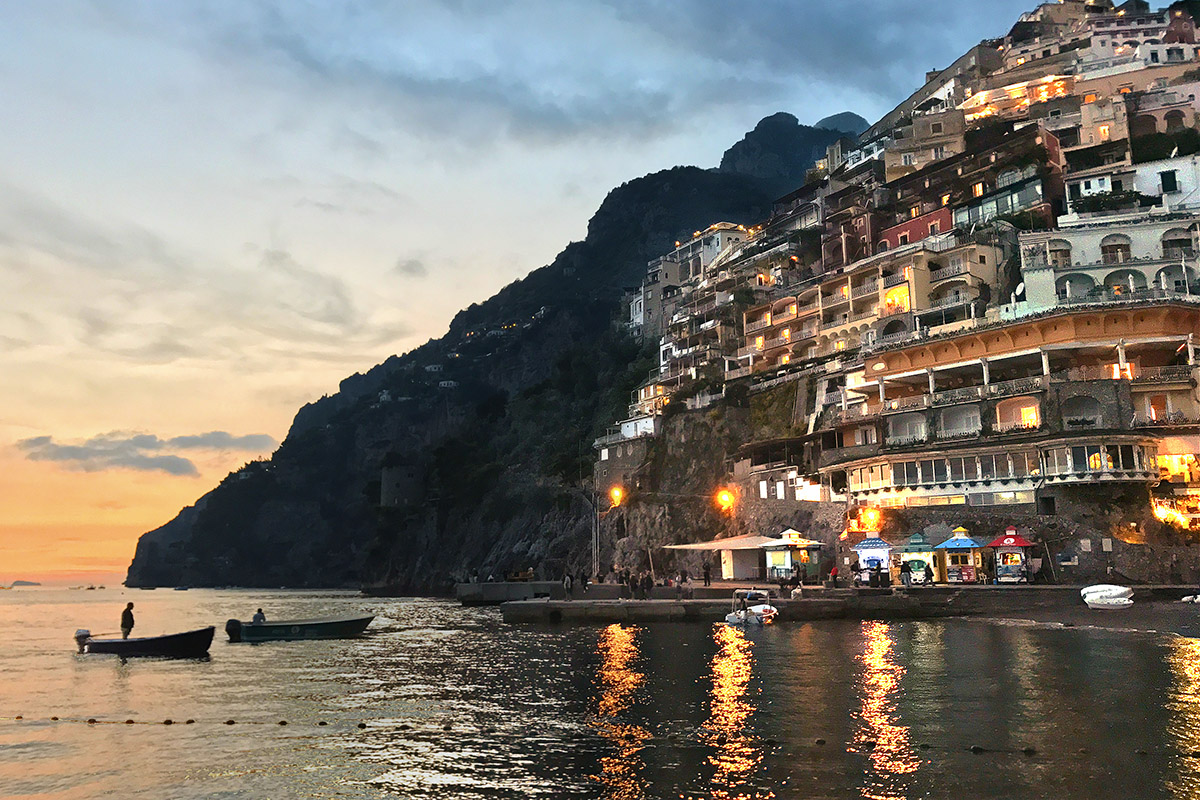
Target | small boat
(286,630)
(190,644)
(1107,597)
(751,607)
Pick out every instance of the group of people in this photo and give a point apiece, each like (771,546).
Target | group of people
(569,583)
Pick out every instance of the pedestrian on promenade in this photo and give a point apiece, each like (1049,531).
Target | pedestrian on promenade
(127,621)
(567,584)
(906,574)
(928,575)
(583,581)
(648,586)
(833,573)
(707,574)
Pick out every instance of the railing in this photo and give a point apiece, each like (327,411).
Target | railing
(906,403)
(741,372)
(762,324)
(1165,420)
(1035,383)
(853,414)
(960,433)
(949,272)
(1170,374)
(1137,296)
(894,338)
(831,300)
(905,441)
(871,312)
(949,302)
(1014,425)
(871,287)
(962,395)
(786,316)
(614,438)
(749,350)
(894,280)
(777,342)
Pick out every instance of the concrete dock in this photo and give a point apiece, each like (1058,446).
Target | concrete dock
(881,604)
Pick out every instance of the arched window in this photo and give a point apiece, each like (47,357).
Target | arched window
(893,328)
(960,420)
(1081,411)
(906,428)
(1018,413)
(1116,248)
(1074,285)
(1125,280)
(1177,244)
(1174,120)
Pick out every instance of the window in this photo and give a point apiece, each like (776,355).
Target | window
(1104,132)
(1169,181)
(945,200)
(1089,98)
(908,159)
(914,212)
(604,454)
(762,488)
(902,238)
(977,189)
(933,228)
(935,128)
(759,341)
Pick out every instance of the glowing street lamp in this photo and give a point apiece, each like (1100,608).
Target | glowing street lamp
(726,500)
(615,495)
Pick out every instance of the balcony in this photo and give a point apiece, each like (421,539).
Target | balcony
(1173,419)
(866,289)
(748,350)
(1178,373)
(741,372)
(960,433)
(1015,426)
(951,396)
(762,324)
(1034,383)
(860,315)
(894,280)
(906,403)
(949,272)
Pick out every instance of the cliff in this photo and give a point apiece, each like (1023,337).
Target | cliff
(470,451)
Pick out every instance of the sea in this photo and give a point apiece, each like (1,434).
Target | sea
(440,701)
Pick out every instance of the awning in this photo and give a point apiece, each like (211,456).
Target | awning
(871,543)
(1011,540)
(748,542)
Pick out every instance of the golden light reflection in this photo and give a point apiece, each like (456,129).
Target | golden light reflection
(885,742)
(736,754)
(1183,657)
(618,681)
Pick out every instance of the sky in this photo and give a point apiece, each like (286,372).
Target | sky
(212,212)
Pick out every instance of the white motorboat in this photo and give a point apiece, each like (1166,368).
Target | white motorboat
(751,607)
(1107,597)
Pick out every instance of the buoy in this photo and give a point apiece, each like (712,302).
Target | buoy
(869,745)
(820,741)
(52,719)
(229,722)
(1029,750)
(168,722)
(322,723)
(128,722)
(92,721)
(283,722)
(405,727)
(20,717)
(362,725)
(977,749)
(447,726)
(190,722)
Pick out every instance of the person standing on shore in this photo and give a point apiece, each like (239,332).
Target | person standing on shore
(707,574)
(567,584)
(583,581)
(648,586)
(127,621)
(833,573)
(928,575)
(906,574)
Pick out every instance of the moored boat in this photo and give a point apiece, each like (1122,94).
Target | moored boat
(286,630)
(1107,597)
(751,607)
(189,644)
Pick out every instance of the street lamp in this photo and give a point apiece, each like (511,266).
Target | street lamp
(726,499)
(616,496)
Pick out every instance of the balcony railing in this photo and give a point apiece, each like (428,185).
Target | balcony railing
(748,351)
(759,325)
(959,433)
(870,312)
(894,280)
(741,372)
(949,272)
(1165,420)
(856,413)
(1175,373)
(869,288)
(906,403)
(1035,383)
(1015,425)
(962,395)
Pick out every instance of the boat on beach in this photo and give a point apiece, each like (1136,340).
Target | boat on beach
(189,644)
(751,607)
(1107,597)
(290,630)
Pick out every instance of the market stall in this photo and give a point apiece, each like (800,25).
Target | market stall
(918,553)
(794,556)
(1013,563)
(873,557)
(961,557)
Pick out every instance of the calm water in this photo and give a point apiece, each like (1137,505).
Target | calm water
(457,704)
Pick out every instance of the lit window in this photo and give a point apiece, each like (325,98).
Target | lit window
(785,359)
(759,342)
(914,212)
(977,189)
(1104,132)
(1029,417)
(1089,98)
(845,291)
(840,344)
(945,199)
(787,334)
(792,308)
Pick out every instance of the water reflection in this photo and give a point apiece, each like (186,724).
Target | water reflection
(1183,656)
(736,755)
(878,735)
(621,774)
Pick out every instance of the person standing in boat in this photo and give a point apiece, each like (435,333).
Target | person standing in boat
(127,621)
(259,617)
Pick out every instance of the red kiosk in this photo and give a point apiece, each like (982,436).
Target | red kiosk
(1012,557)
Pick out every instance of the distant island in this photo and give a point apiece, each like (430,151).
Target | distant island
(15,584)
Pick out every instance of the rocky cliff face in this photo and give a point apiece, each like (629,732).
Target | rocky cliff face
(780,150)
(484,475)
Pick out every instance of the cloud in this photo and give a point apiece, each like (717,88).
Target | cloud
(139,451)
(412,267)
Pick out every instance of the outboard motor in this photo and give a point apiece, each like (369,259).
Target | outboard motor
(234,628)
(81,637)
